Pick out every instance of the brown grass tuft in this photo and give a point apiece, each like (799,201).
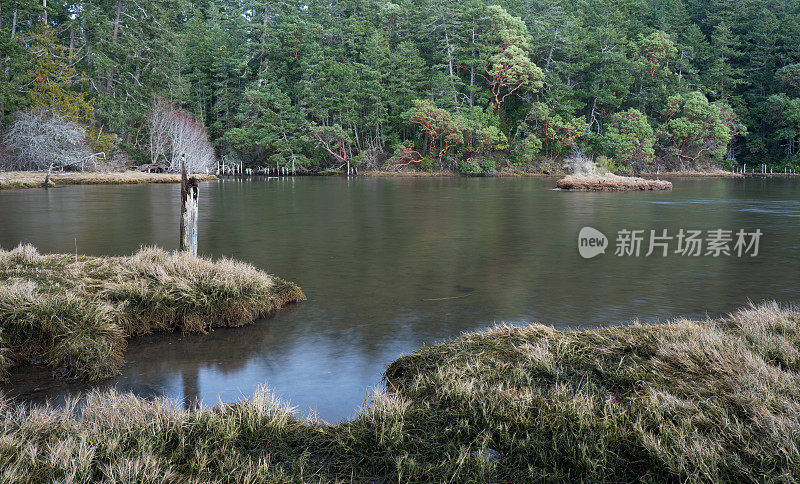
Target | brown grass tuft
(75,314)
(687,401)
(610,182)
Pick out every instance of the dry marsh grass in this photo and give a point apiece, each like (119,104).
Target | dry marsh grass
(35,179)
(610,182)
(74,313)
(686,401)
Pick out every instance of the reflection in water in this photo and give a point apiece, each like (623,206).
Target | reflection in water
(391,264)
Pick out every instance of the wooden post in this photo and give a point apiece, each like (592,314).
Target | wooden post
(190,191)
(47,178)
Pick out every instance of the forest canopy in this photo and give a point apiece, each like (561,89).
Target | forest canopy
(468,86)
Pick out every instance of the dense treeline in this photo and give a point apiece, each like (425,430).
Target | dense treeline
(436,84)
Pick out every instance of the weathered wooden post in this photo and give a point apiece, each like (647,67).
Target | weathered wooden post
(47,177)
(190,192)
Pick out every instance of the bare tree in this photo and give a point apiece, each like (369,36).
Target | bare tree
(174,132)
(40,139)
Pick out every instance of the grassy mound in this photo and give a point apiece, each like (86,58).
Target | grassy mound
(75,313)
(688,401)
(610,183)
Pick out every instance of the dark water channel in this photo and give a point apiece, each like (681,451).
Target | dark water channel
(391,264)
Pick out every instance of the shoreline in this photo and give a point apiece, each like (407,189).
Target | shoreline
(35,179)
(23,180)
(508,404)
(692,174)
(451,174)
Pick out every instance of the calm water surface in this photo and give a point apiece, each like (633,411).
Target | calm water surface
(391,264)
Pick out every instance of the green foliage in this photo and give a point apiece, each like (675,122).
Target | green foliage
(57,86)
(428,164)
(784,113)
(440,129)
(507,48)
(267,128)
(484,137)
(606,165)
(556,133)
(259,73)
(14,76)
(696,131)
(790,76)
(334,140)
(629,140)
(656,50)
(723,75)
(528,149)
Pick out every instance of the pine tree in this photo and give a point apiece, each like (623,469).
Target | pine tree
(723,75)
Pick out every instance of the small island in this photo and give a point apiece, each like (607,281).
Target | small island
(611,183)
(590,175)
(75,313)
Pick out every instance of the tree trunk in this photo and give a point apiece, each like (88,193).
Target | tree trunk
(472,69)
(450,61)
(552,48)
(358,141)
(189,210)
(115,36)
(44,4)
(14,24)
(263,41)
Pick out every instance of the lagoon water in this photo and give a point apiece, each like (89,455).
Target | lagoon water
(389,265)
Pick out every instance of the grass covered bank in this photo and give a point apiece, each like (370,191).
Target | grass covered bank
(35,179)
(687,401)
(611,183)
(74,313)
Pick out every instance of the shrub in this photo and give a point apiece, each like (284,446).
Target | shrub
(581,164)
(528,150)
(175,132)
(696,131)
(629,140)
(39,138)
